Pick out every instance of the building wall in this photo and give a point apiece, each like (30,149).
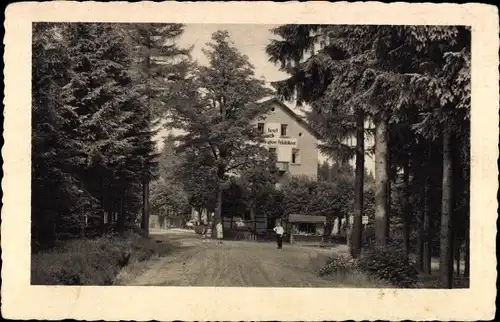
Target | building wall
(307,164)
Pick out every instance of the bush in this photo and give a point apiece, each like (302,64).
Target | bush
(389,263)
(337,264)
(199,229)
(92,261)
(344,271)
(81,262)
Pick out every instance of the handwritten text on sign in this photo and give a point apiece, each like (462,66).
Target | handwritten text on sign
(288,142)
(272,136)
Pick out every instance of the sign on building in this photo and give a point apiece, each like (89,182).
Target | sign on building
(284,153)
(273,138)
(272,130)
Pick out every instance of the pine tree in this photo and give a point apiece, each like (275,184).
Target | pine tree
(310,82)
(108,113)
(324,171)
(447,90)
(50,176)
(92,138)
(160,69)
(160,65)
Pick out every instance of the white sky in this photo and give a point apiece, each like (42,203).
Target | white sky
(250,40)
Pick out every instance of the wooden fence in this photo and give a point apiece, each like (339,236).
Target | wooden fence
(245,229)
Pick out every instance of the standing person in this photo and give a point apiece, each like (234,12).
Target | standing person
(209,230)
(204,233)
(279,234)
(220,229)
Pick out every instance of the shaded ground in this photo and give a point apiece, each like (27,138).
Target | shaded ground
(233,263)
(432,280)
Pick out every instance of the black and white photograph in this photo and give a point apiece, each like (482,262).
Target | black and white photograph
(251,155)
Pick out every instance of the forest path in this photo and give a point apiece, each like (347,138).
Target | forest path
(233,263)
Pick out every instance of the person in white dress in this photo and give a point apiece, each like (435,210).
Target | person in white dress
(336,228)
(220,231)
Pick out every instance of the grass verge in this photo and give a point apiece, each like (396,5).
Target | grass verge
(93,261)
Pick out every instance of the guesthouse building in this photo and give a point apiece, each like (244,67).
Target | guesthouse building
(291,138)
(295,144)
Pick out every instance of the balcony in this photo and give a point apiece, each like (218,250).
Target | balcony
(282,166)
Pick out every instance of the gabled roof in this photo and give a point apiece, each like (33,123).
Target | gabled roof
(292,114)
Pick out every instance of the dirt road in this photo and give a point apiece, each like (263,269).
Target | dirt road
(233,263)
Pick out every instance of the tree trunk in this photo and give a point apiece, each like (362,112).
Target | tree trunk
(356,234)
(109,218)
(82,224)
(457,255)
(426,236)
(426,232)
(252,215)
(418,209)
(467,252)
(390,177)
(406,206)
(145,207)
(199,215)
(82,218)
(446,241)
(388,208)
(381,181)
(420,242)
(218,208)
(121,215)
(103,209)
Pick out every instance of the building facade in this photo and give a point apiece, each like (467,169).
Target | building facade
(296,146)
(291,138)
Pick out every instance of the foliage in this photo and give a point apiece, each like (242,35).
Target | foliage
(418,77)
(258,180)
(49,75)
(198,179)
(338,264)
(92,261)
(311,74)
(92,130)
(199,229)
(271,204)
(316,57)
(168,192)
(160,66)
(390,264)
(217,113)
(302,195)
(234,203)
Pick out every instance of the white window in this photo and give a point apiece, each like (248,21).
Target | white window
(308,228)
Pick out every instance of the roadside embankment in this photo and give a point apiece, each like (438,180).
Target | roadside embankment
(93,261)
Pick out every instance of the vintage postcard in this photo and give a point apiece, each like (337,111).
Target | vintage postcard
(243,161)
